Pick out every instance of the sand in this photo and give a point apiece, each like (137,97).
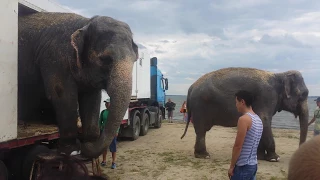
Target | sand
(162,155)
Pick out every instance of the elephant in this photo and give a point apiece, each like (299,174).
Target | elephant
(69,60)
(305,162)
(211,101)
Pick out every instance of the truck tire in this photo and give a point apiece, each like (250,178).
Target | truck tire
(158,122)
(3,171)
(144,123)
(30,157)
(15,164)
(136,125)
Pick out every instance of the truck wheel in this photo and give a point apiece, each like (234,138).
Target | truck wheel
(15,164)
(30,157)
(135,125)
(158,122)
(144,123)
(3,171)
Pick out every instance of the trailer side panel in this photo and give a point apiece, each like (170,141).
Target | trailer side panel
(8,69)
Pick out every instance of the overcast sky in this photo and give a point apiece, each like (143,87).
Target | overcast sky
(194,37)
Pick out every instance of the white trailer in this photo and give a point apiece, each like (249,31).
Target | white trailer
(19,145)
(146,107)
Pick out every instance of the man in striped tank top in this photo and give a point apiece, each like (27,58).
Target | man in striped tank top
(244,154)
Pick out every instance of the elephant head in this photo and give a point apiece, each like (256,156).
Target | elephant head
(105,53)
(294,97)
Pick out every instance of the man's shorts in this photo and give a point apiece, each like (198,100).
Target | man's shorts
(113,145)
(316,132)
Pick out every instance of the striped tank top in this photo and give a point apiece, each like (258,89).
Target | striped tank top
(248,154)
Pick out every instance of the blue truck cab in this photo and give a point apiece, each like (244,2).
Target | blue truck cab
(159,85)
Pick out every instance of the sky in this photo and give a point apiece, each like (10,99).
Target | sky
(191,38)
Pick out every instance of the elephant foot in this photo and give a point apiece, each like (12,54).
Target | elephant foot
(70,148)
(272,157)
(202,155)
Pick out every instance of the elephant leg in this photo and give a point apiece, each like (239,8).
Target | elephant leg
(261,152)
(267,141)
(63,94)
(89,110)
(200,150)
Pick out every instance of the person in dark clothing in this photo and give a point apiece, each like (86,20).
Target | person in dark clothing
(170,108)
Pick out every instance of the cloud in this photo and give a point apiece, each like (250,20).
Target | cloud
(192,38)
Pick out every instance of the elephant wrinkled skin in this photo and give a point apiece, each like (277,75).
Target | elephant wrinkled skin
(211,101)
(68,59)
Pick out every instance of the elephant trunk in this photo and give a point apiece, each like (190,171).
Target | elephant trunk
(303,118)
(119,89)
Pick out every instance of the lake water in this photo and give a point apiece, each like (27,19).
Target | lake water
(284,120)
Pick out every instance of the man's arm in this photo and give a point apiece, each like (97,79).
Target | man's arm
(243,123)
(312,120)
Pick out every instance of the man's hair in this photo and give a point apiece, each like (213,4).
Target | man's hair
(246,96)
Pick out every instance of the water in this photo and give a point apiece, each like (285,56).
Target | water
(284,120)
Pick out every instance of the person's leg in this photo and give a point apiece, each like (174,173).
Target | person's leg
(104,158)
(113,150)
(255,169)
(247,172)
(171,114)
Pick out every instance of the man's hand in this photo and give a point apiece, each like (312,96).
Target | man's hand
(230,172)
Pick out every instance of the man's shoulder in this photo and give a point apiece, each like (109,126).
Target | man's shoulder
(245,119)
(105,110)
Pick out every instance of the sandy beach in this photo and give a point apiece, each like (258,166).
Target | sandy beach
(162,155)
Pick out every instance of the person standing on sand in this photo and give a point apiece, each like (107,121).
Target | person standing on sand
(184,111)
(170,108)
(113,146)
(316,118)
(244,162)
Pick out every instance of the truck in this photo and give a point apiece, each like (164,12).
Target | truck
(20,144)
(147,104)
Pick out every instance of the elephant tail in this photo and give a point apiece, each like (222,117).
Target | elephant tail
(188,111)
(185,130)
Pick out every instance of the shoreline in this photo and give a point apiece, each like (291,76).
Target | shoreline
(284,128)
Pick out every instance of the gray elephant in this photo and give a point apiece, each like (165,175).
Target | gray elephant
(211,102)
(69,59)
(305,162)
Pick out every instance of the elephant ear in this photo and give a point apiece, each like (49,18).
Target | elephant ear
(288,80)
(77,42)
(135,49)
